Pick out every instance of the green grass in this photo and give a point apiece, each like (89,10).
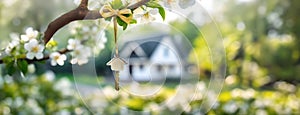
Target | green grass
(93,81)
(83,79)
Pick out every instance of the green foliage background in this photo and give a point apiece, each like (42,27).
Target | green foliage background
(261,40)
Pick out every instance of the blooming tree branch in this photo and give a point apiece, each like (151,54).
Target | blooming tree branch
(62,51)
(80,13)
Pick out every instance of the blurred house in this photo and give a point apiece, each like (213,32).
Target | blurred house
(153,58)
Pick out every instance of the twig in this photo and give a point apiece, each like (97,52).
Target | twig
(63,51)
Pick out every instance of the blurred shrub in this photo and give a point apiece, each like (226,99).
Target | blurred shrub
(44,95)
(39,95)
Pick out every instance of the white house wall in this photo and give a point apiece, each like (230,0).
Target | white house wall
(147,73)
(173,58)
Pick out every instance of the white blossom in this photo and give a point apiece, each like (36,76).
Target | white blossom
(181,100)
(34,49)
(64,112)
(13,44)
(57,58)
(10,47)
(31,68)
(100,43)
(230,107)
(30,34)
(8,101)
(261,112)
(110,93)
(81,55)
(73,44)
(49,75)
(33,106)
(145,16)
(18,102)
(64,86)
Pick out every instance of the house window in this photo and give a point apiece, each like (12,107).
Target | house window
(141,66)
(159,68)
(166,52)
(130,69)
(171,67)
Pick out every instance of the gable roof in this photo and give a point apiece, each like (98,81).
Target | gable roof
(149,45)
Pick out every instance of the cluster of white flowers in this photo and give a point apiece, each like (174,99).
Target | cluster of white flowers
(64,86)
(30,34)
(89,39)
(245,94)
(57,58)
(30,45)
(34,49)
(230,107)
(28,42)
(79,52)
(100,43)
(13,44)
(145,15)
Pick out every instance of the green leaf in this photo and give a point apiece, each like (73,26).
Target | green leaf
(133,21)
(162,13)
(122,23)
(108,19)
(7,59)
(23,66)
(161,10)
(10,68)
(116,4)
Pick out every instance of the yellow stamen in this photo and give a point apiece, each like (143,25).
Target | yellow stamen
(56,57)
(35,49)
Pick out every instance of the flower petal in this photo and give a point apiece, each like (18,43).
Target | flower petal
(24,38)
(63,57)
(41,48)
(34,42)
(74,61)
(28,46)
(39,55)
(60,62)
(29,30)
(83,61)
(30,55)
(54,54)
(53,63)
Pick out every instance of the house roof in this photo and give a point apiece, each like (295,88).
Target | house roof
(150,43)
(149,47)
